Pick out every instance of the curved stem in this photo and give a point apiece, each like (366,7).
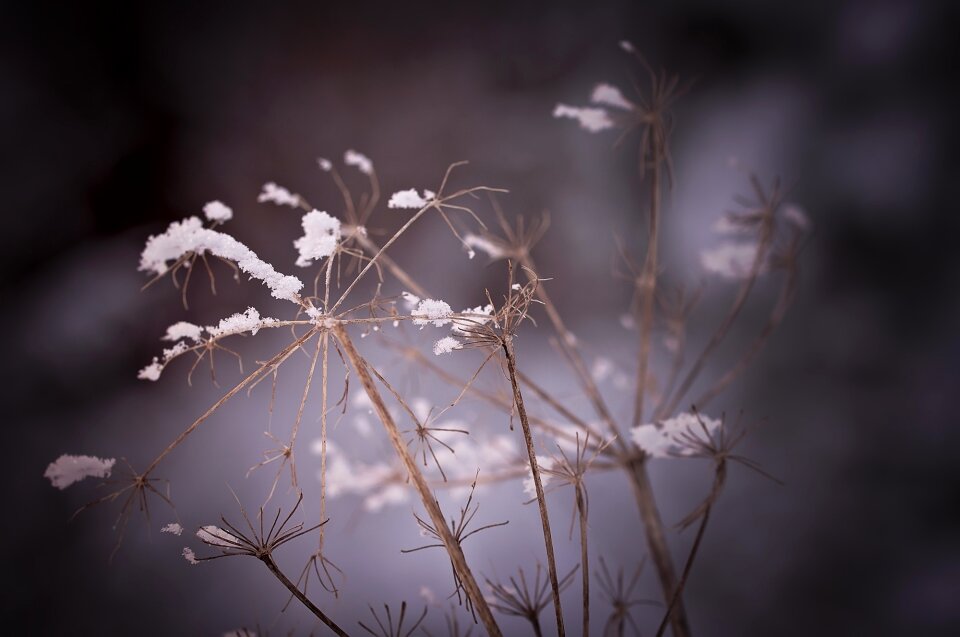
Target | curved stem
(268,560)
(535,470)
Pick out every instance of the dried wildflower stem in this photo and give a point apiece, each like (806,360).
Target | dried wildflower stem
(584,558)
(648,284)
(718,480)
(721,332)
(457,558)
(324,370)
(392,267)
(296,592)
(569,348)
(535,470)
(776,317)
(657,542)
(258,373)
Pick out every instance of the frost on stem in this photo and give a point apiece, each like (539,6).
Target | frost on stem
(410,199)
(590,118)
(321,233)
(432,311)
(731,260)
(190,556)
(189,236)
(446,345)
(279,195)
(248,321)
(359,160)
(669,438)
(483,244)
(609,95)
(173,528)
(68,469)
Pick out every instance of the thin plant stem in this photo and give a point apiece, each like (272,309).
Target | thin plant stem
(584,559)
(535,470)
(260,371)
(657,542)
(453,548)
(296,592)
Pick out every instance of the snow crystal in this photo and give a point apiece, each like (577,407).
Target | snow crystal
(324,164)
(591,119)
(68,469)
(610,95)
(484,245)
(189,236)
(430,310)
(410,199)
(249,321)
(173,527)
(190,556)
(182,330)
(666,439)
(216,536)
(476,316)
(217,211)
(279,195)
(361,161)
(446,345)
(321,232)
(529,485)
(731,260)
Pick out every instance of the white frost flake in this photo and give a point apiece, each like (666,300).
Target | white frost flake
(68,469)
(446,345)
(410,199)
(189,236)
(361,161)
(217,211)
(430,310)
(591,119)
(666,439)
(279,195)
(609,95)
(173,528)
(321,232)
(731,260)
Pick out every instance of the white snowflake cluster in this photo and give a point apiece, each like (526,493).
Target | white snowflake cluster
(665,439)
(217,211)
(732,260)
(410,199)
(321,233)
(359,160)
(68,469)
(189,236)
(182,332)
(279,195)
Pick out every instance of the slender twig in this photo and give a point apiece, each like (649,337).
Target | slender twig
(453,548)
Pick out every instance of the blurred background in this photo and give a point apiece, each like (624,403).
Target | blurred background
(119,118)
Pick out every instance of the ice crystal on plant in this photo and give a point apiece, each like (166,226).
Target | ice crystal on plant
(217,211)
(446,345)
(249,321)
(666,439)
(529,486)
(361,161)
(182,330)
(590,118)
(216,536)
(68,469)
(610,95)
(190,556)
(324,164)
(173,528)
(279,195)
(474,241)
(432,311)
(410,199)
(321,232)
(189,236)
(731,260)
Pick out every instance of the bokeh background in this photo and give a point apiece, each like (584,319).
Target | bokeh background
(121,117)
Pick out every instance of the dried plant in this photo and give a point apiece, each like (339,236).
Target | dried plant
(359,290)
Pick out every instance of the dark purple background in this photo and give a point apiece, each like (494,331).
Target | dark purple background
(119,118)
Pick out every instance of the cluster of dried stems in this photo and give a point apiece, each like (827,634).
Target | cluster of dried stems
(358,258)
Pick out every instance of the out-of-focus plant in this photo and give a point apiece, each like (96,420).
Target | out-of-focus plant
(358,289)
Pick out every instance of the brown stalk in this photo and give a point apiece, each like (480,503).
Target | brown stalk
(535,470)
(457,558)
(296,592)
